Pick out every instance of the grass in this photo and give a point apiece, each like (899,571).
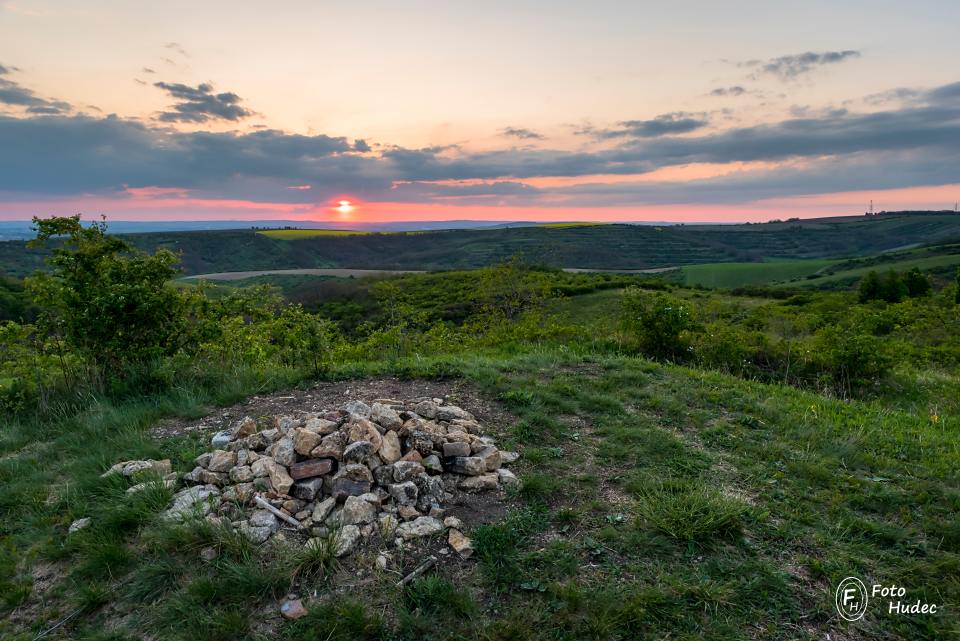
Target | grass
(658,502)
(730,275)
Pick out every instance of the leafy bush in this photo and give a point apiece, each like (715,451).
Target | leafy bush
(851,358)
(659,323)
(111,303)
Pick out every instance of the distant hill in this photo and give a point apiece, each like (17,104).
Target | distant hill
(583,246)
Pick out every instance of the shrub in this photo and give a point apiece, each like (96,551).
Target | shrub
(851,358)
(111,303)
(659,323)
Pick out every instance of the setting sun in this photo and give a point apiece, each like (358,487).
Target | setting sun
(344,206)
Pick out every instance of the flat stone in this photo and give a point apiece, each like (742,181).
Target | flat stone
(321,426)
(310,468)
(304,441)
(419,527)
(245,427)
(451,413)
(456,448)
(261,467)
(346,539)
(467,465)
(454,522)
(509,457)
(477,483)
(390,451)
(79,524)
(460,543)
(357,511)
(293,609)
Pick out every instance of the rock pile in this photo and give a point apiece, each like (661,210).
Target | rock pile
(384,469)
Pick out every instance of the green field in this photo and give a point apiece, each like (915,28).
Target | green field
(728,275)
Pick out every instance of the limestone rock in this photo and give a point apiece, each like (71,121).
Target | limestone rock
(404,493)
(357,511)
(478,483)
(390,451)
(357,408)
(222,461)
(426,409)
(460,543)
(506,477)
(283,451)
(345,541)
(79,524)
(419,527)
(304,441)
(385,416)
(198,500)
(456,449)
(323,509)
(467,465)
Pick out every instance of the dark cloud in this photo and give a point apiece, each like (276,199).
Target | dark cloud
(16,95)
(794,65)
(200,104)
(662,125)
(917,144)
(735,90)
(521,133)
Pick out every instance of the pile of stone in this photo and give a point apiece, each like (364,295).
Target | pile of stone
(385,469)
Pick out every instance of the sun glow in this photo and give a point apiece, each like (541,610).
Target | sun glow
(344,207)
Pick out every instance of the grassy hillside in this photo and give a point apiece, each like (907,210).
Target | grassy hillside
(720,492)
(583,246)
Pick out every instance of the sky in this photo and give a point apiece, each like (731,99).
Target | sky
(375,111)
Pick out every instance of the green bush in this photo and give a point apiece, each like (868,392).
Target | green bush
(111,303)
(660,324)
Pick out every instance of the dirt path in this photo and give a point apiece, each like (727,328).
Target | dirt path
(338,273)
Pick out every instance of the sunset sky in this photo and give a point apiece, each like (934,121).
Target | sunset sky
(692,110)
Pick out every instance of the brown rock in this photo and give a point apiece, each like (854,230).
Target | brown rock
(313,467)
(321,426)
(304,441)
(456,448)
(460,543)
(390,448)
(413,456)
(222,461)
(293,609)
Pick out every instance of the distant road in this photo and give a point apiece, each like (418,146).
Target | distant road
(360,273)
(338,273)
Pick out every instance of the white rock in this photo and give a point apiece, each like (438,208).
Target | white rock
(79,524)
(346,539)
(420,527)
(198,500)
(357,511)
(507,477)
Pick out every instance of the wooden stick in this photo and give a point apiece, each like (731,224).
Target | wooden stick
(262,502)
(428,563)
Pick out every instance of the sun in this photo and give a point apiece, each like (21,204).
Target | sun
(344,206)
